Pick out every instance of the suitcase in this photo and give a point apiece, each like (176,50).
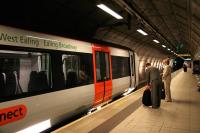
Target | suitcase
(146,98)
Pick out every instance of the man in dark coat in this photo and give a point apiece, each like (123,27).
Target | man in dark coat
(154,81)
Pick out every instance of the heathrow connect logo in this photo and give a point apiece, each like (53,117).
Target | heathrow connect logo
(12,114)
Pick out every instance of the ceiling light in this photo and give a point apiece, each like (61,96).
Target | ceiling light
(188,59)
(156,41)
(108,10)
(168,49)
(142,32)
(163,46)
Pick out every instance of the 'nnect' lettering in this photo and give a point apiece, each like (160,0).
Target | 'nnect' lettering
(11,114)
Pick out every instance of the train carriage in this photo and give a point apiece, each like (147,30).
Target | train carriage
(48,79)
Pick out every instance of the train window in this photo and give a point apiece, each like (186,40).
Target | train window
(77,69)
(102,66)
(120,67)
(107,62)
(22,72)
(36,72)
(98,67)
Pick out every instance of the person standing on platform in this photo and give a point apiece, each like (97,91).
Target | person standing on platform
(184,67)
(166,77)
(153,80)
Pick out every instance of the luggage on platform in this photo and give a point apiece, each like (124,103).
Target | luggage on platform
(146,98)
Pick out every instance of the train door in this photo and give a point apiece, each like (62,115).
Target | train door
(102,74)
(132,68)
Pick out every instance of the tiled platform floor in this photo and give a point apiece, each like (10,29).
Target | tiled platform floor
(180,116)
(127,115)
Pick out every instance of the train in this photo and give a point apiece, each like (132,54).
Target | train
(46,79)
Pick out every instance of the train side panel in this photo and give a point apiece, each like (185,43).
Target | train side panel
(55,106)
(120,85)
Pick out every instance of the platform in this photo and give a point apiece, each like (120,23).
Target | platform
(128,115)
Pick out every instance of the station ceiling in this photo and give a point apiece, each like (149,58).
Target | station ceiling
(174,23)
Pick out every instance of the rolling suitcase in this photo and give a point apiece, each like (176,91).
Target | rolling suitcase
(146,98)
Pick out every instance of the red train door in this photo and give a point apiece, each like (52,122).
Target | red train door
(102,74)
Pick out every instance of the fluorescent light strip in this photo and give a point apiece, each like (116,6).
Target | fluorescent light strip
(156,41)
(142,32)
(188,59)
(37,128)
(108,10)
(163,46)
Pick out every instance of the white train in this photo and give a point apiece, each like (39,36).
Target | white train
(46,79)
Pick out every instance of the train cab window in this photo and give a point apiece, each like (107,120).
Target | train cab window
(77,69)
(23,72)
